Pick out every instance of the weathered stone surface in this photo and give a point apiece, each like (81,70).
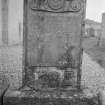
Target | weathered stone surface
(49,32)
(4,84)
(11,65)
(53,36)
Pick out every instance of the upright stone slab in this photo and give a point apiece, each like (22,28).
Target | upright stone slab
(4,21)
(102,43)
(53,32)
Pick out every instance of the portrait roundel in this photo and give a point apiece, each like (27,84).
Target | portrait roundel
(76,5)
(56,4)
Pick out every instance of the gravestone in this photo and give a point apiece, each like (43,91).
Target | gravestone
(53,32)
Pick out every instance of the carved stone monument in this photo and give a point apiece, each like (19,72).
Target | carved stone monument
(53,32)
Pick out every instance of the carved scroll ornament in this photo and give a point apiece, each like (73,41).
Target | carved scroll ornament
(56,5)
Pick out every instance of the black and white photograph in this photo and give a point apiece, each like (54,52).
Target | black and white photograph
(52,52)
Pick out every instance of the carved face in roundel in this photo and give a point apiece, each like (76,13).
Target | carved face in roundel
(56,4)
(76,5)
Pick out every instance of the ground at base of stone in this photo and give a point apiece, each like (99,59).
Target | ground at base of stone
(47,101)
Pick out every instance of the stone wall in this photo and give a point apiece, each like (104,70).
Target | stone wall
(11,22)
(92,28)
(11,65)
(15,19)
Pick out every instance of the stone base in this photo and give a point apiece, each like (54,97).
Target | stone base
(47,101)
(29,97)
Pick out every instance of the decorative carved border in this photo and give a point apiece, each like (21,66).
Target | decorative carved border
(56,6)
